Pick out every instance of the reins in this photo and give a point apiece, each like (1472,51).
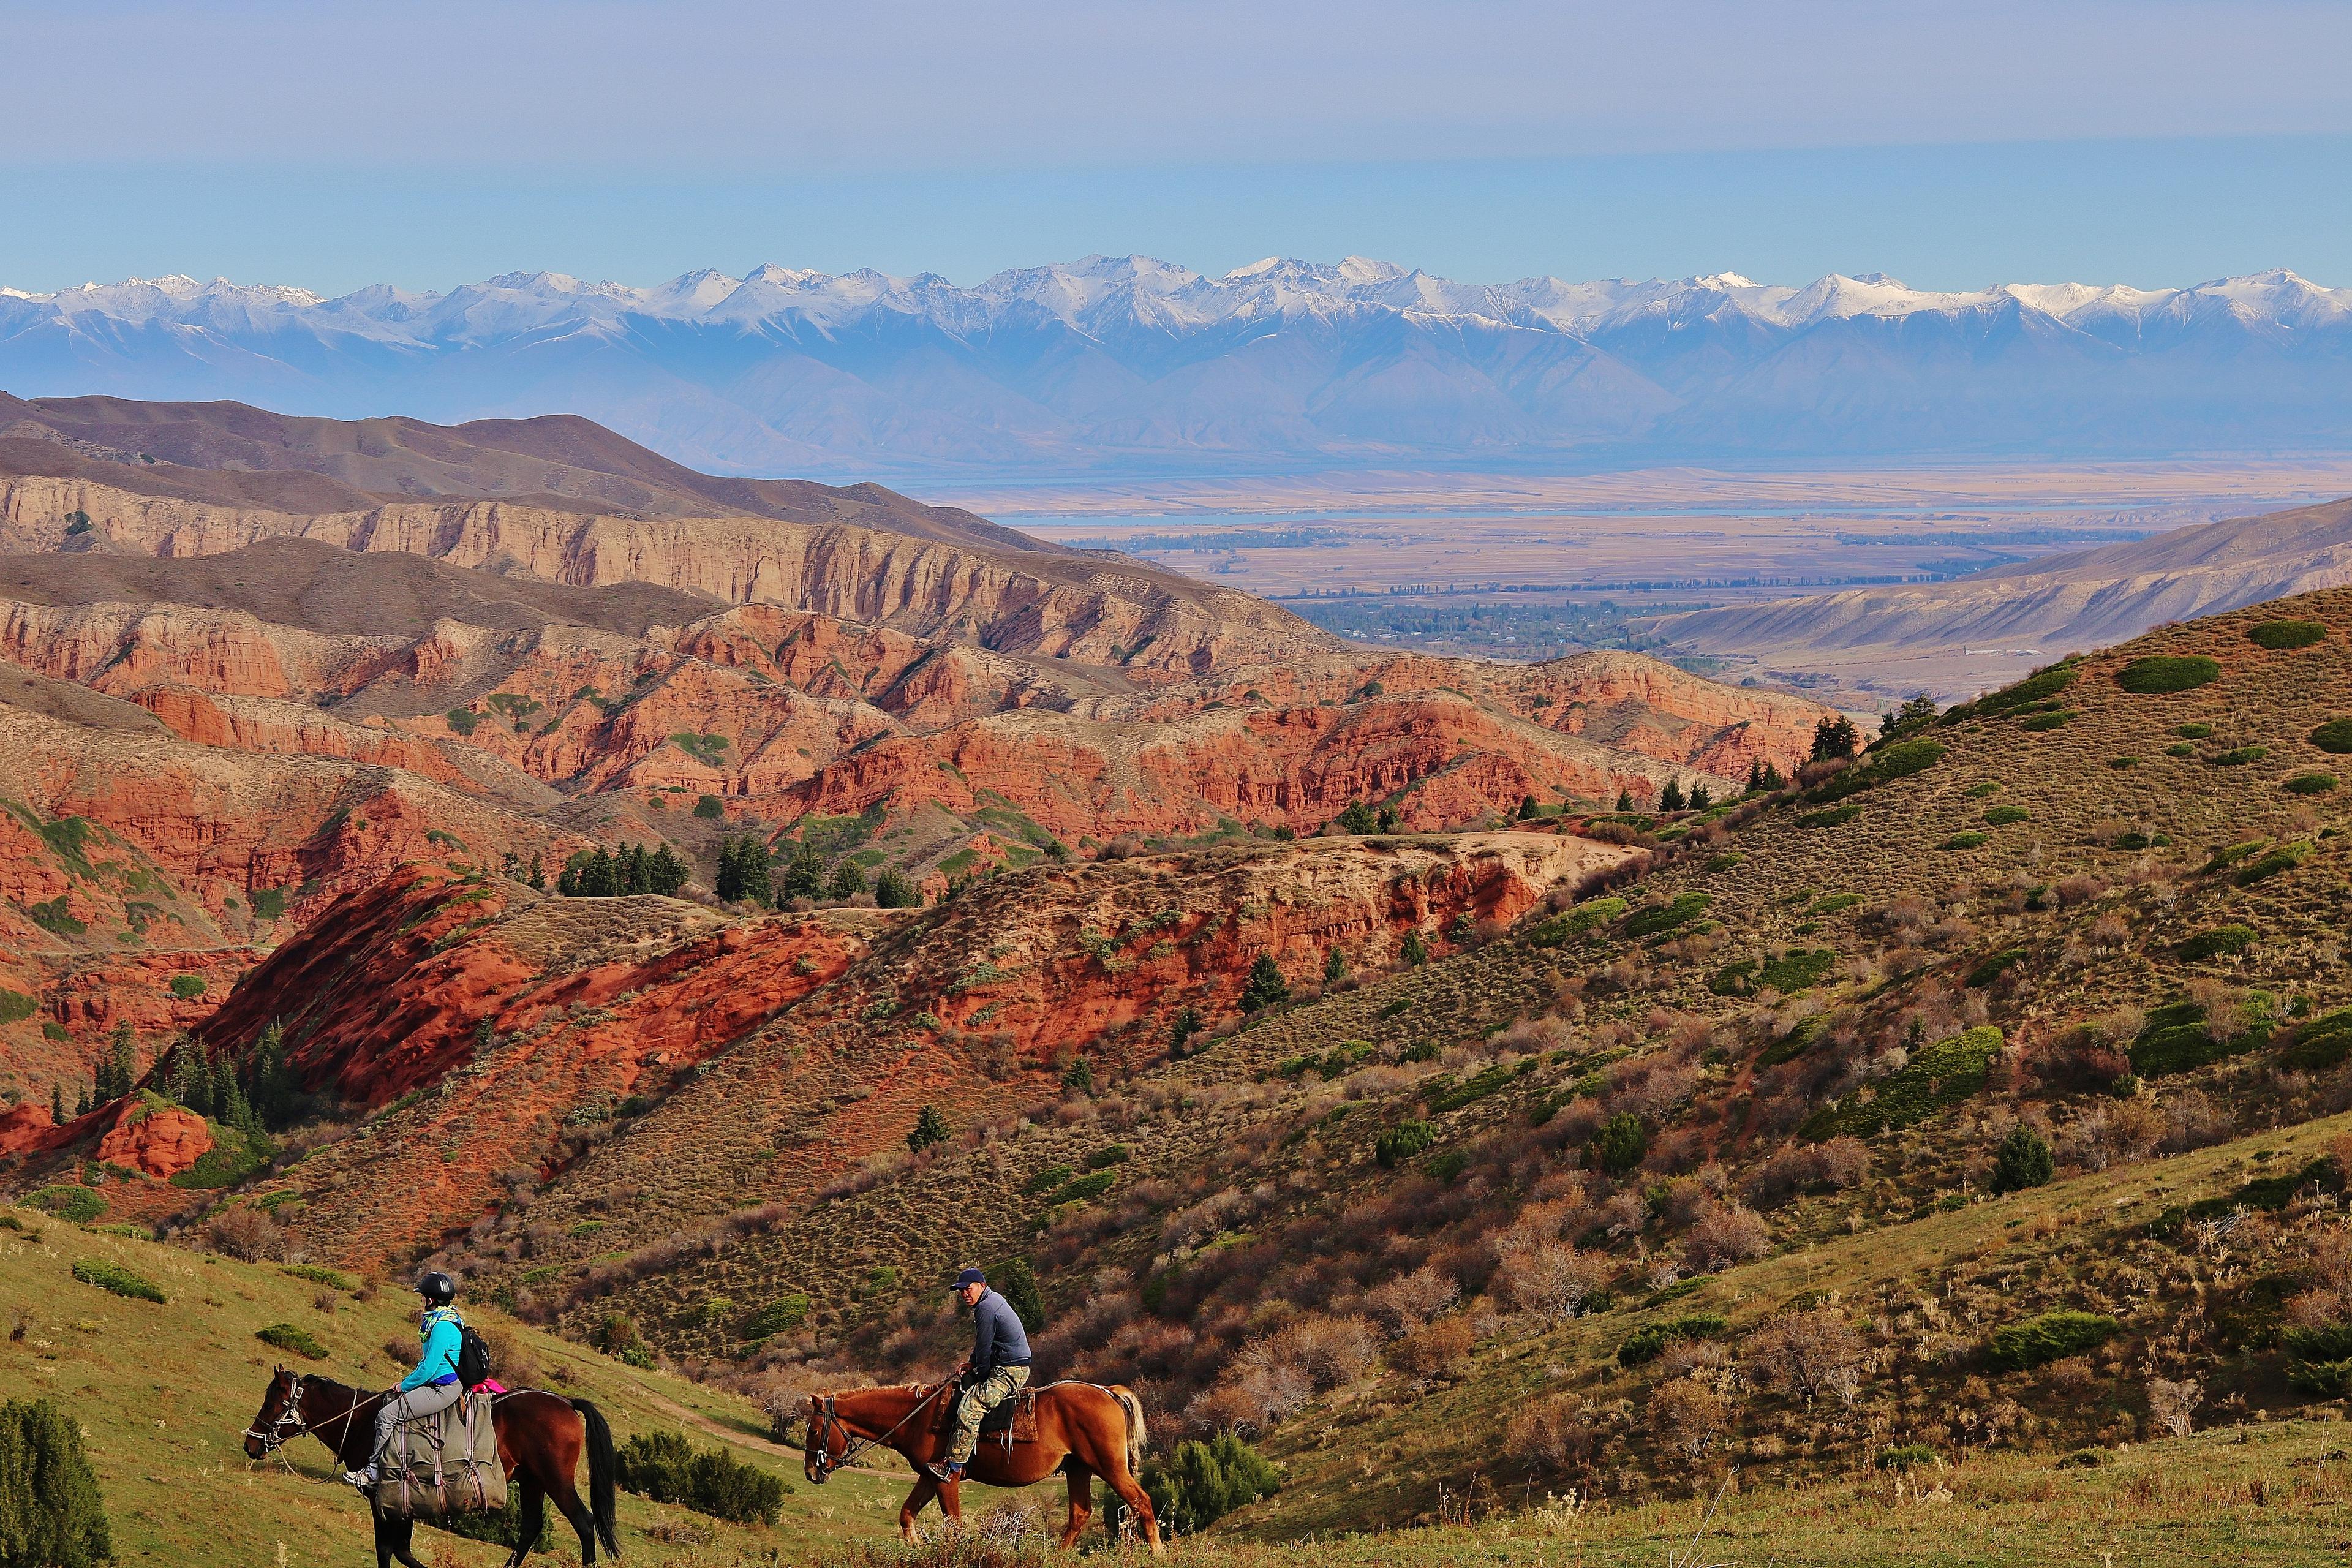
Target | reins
(291,1423)
(825,1464)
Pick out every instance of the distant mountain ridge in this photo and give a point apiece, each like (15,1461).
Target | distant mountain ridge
(1111,364)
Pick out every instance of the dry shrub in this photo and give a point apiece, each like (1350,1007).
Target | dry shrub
(2071,1375)
(1331,1350)
(2173,1405)
(2195,1120)
(1407,1301)
(2080,889)
(1439,1349)
(1808,1354)
(245,1233)
(1794,1168)
(1690,1417)
(2120,1132)
(1550,1279)
(1250,1399)
(1725,1234)
(1556,1432)
(511,1362)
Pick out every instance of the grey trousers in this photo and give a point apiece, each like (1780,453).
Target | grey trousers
(430,1400)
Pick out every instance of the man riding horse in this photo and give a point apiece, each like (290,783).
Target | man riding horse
(998,1370)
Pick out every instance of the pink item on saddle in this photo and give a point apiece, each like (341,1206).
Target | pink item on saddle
(489,1385)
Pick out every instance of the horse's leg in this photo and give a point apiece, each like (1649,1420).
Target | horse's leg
(382,1542)
(1082,1501)
(403,1542)
(925,1489)
(530,1517)
(951,1501)
(568,1504)
(1131,1492)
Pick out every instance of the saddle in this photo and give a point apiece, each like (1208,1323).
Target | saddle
(1014,1421)
(443,1465)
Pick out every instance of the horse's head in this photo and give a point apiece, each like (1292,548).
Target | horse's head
(280,1417)
(828,1440)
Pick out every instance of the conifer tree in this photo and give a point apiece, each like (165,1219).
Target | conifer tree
(1335,967)
(1625,800)
(804,877)
(892,891)
(1415,952)
(1671,798)
(666,872)
(1701,798)
(81,1108)
(538,873)
(1357,817)
(848,881)
(1528,809)
(57,1105)
(1772,779)
(1265,986)
(931,1127)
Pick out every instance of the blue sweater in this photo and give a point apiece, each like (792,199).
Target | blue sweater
(997,1337)
(442,1334)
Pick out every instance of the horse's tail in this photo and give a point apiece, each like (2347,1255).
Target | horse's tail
(601,1473)
(1133,1407)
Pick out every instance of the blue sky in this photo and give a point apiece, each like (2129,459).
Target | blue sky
(330,145)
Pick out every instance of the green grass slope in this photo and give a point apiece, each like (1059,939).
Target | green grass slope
(164,1392)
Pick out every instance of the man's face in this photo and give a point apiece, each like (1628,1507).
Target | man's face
(969,1294)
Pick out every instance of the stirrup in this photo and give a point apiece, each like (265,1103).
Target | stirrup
(947,1472)
(359,1478)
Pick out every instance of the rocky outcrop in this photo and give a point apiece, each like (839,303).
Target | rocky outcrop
(156,1140)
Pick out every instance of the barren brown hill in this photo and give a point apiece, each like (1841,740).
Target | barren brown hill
(231,454)
(2054,604)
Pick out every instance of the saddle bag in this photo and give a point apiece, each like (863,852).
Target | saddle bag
(444,1465)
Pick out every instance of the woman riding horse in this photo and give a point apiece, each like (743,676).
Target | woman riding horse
(541,1437)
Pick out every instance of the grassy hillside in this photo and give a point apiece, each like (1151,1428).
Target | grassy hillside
(165,1393)
(2092,907)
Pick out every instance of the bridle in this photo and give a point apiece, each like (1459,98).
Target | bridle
(291,1423)
(821,1462)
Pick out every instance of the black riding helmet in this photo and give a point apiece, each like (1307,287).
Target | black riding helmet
(437,1288)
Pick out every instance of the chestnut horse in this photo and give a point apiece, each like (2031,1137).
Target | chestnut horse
(1083,1430)
(541,1437)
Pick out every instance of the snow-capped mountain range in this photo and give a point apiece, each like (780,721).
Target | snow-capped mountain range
(1113,365)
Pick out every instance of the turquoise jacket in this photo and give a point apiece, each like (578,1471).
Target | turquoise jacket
(441,1334)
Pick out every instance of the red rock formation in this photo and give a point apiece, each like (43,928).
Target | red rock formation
(161,1141)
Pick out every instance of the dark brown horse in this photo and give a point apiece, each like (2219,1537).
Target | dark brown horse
(540,1438)
(1083,1430)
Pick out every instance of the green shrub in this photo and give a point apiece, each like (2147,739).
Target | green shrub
(1980,790)
(2281,636)
(780,1316)
(1112,1154)
(1659,918)
(2042,721)
(2176,1040)
(115,1277)
(230,1161)
(1444,1097)
(1936,1077)
(1798,969)
(2310,784)
(2023,1160)
(1993,966)
(1619,1144)
(1446,1166)
(292,1336)
(2239,756)
(1835,903)
(1734,979)
(2032,688)
(2120,764)
(1968,840)
(1400,1142)
(665,1467)
(1795,1042)
(2322,1043)
(1575,922)
(318,1275)
(77,1205)
(56,918)
(708,808)
(1649,1342)
(52,1514)
(2180,749)
(2016,1347)
(2002,816)
(16,1007)
(2286,857)
(2334,737)
(268,903)
(2158,674)
(1834,816)
(187,987)
(2227,940)
(2231,855)
(1082,1189)
(462,720)
(1898,760)
(2192,731)
(1205,1480)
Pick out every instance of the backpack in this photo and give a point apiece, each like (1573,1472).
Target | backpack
(473,1357)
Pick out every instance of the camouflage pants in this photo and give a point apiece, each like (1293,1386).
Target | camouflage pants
(975,1404)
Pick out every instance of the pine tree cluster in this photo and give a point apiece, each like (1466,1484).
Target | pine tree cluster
(743,870)
(601,874)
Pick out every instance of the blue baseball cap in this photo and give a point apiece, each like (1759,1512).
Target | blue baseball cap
(970,1277)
